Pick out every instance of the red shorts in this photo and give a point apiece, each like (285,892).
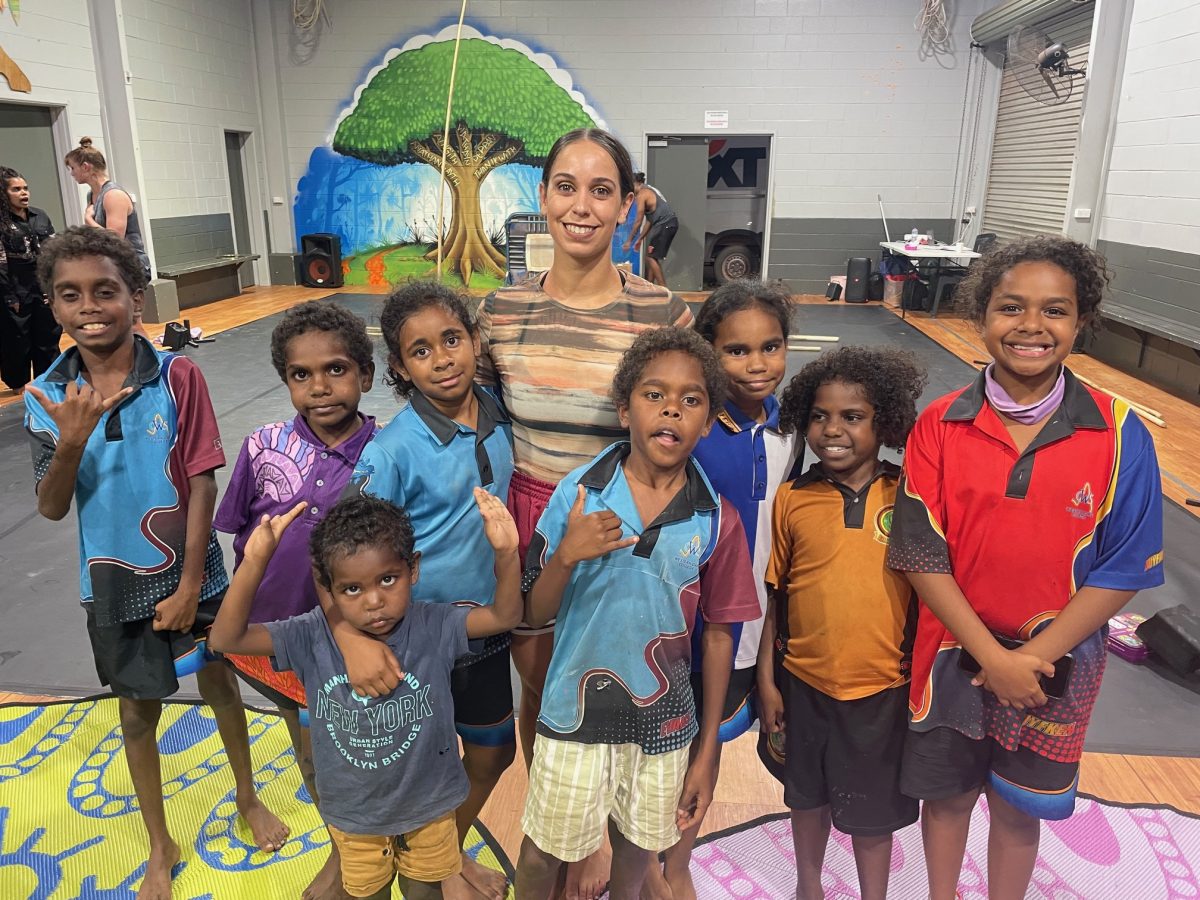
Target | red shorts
(527,498)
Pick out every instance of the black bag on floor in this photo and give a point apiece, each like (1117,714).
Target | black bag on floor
(176,335)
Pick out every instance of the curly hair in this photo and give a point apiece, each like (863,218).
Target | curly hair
(655,341)
(772,298)
(354,524)
(6,177)
(1080,261)
(404,302)
(891,380)
(328,317)
(82,240)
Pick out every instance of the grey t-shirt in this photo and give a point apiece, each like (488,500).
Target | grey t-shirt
(386,765)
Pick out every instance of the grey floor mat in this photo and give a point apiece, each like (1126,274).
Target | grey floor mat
(44,647)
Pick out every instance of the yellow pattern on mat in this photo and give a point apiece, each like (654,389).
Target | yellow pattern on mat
(69,821)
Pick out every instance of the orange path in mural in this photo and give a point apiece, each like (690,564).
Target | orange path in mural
(374,267)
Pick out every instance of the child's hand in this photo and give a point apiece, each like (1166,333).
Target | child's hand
(176,613)
(498,524)
(372,669)
(591,536)
(770,707)
(81,408)
(1013,678)
(697,794)
(264,540)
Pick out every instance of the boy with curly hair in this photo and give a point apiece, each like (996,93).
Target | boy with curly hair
(836,643)
(629,548)
(323,355)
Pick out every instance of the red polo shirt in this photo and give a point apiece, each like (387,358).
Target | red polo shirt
(1021,533)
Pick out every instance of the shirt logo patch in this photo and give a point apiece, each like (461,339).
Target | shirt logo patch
(690,552)
(1083,503)
(159,430)
(1154,560)
(883,525)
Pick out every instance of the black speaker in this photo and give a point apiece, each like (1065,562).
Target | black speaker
(321,260)
(833,291)
(875,287)
(858,273)
(1174,635)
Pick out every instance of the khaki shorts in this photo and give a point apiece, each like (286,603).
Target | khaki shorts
(431,853)
(575,788)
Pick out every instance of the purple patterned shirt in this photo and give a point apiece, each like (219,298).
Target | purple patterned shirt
(278,466)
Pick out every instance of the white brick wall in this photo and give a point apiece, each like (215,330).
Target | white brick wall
(1152,197)
(854,108)
(53,46)
(194,76)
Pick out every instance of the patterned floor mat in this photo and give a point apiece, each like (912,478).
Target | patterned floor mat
(69,823)
(1105,851)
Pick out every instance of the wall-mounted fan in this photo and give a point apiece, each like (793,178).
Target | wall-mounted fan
(1041,66)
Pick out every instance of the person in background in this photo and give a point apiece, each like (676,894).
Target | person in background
(28,333)
(661,223)
(109,204)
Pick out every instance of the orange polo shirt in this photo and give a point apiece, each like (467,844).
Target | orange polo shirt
(849,621)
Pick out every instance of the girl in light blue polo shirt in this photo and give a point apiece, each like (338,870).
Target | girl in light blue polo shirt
(452,437)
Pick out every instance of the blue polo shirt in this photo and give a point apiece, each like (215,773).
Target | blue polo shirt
(747,461)
(622,644)
(428,464)
(131,490)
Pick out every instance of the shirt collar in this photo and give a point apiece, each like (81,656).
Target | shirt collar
(695,496)
(815,473)
(349,449)
(1078,405)
(444,428)
(733,420)
(146,365)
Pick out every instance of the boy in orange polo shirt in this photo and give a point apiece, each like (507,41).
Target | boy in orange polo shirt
(836,644)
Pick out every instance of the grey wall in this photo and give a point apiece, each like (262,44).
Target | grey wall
(1152,317)
(190,239)
(805,252)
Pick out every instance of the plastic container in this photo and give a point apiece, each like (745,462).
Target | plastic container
(1123,639)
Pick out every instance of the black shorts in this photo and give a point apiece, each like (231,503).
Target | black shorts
(739,711)
(483,699)
(942,763)
(845,754)
(135,661)
(658,239)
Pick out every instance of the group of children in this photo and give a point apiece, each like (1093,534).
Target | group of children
(697,574)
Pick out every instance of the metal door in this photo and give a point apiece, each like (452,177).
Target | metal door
(678,167)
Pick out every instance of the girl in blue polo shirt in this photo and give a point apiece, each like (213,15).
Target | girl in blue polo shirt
(746,457)
(452,437)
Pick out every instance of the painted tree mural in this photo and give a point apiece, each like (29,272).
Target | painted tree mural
(507,109)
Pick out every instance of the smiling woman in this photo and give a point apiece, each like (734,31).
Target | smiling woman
(28,333)
(550,345)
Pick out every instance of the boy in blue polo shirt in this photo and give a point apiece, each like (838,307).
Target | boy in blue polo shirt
(451,438)
(129,434)
(628,549)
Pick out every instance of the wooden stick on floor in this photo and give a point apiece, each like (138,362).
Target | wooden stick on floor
(1140,407)
(827,338)
(806,348)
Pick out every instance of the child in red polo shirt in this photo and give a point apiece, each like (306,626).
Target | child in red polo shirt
(1029,514)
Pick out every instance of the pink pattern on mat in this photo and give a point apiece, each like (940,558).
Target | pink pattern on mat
(1106,852)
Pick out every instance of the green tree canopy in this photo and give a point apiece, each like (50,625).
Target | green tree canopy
(497,90)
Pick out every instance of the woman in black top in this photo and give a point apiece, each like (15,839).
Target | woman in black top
(28,333)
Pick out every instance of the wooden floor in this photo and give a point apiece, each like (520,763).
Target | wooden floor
(745,791)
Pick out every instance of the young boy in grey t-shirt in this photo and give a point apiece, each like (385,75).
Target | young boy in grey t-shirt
(387,767)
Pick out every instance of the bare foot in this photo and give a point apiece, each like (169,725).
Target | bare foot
(681,884)
(587,879)
(268,831)
(656,887)
(487,882)
(156,884)
(327,885)
(456,887)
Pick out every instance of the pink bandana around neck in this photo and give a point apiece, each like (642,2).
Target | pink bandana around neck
(1025,413)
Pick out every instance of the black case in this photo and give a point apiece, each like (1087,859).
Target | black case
(833,291)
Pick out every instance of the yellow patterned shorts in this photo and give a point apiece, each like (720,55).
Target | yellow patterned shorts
(575,788)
